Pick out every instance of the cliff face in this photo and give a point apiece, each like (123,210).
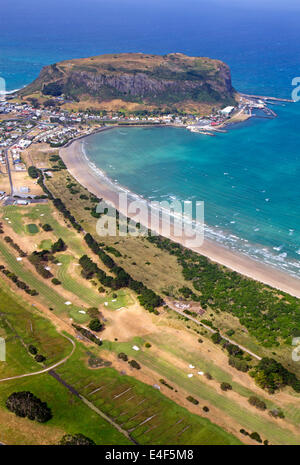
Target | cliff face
(146,79)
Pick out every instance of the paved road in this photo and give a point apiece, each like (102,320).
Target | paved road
(213,331)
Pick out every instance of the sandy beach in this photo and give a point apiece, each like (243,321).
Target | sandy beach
(95,182)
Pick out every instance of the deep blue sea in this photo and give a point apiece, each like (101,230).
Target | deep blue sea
(248,177)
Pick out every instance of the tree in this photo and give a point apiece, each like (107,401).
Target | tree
(95,325)
(33,172)
(39,358)
(26,405)
(76,440)
(56,281)
(47,227)
(58,246)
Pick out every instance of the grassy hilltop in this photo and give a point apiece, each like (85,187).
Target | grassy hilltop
(136,81)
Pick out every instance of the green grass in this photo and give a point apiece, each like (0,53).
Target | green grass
(197,388)
(48,295)
(90,296)
(45,244)
(68,235)
(32,228)
(21,326)
(69,413)
(123,299)
(170,423)
(14,215)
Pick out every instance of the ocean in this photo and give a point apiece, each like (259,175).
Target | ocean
(248,177)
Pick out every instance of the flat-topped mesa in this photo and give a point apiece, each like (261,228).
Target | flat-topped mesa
(138,81)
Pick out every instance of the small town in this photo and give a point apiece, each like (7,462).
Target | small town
(25,123)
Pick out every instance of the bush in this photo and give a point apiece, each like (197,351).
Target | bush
(256,402)
(95,325)
(192,400)
(148,345)
(39,358)
(216,338)
(208,376)
(76,440)
(123,356)
(56,281)
(256,437)
(93,312)
(47,227)
(24,404)
(32,349)
(135,364)
(276,413)
(164,382)
(226,386)
(205,409)
(244,432)
(238,364)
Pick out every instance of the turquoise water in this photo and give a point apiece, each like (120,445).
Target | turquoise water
(247,186)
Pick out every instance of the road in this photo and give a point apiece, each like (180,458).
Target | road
(213,331)
(7,160)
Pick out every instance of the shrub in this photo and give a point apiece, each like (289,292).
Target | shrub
(244,432)
(216,338)
(208,376)
(76,440)
(135,364)
(226,386)
(95,325)
(24,404)
(238,364)
(256,437)
(93,312)
(276,413)
(39,358)
(148,345)
(56,281)
(192,400)
(205,409)
(123,356)
(47,227)
(32,349)
(256,402)
(164,382)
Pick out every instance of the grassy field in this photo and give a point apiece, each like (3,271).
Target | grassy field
(70,415)
(21,326)
(273,431)
(47,295)
(32,228)
(150,417)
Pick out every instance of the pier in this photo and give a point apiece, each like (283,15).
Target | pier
(262,97)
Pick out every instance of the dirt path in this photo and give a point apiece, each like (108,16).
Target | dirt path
(45,370)
(214,331)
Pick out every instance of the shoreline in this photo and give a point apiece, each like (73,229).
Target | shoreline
(95,181)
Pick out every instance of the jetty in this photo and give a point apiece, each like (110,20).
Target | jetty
(263,97)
